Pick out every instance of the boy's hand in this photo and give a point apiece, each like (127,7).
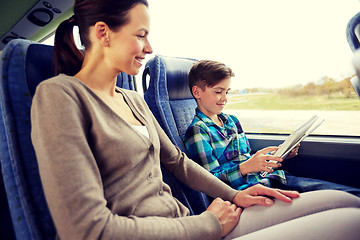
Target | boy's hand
(227,213)
(293,152)
(261,195)
(260,162)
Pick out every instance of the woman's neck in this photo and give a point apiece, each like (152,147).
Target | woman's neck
(98,77)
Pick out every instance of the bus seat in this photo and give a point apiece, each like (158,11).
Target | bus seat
(168,95)
(353,38)
(23,65)
(353,32)
(170,100)
(126,81)
(355,79)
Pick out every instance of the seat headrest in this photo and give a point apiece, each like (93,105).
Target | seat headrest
(352,32)
(39,65)
(177,70)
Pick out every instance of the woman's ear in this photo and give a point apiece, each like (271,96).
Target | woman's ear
(102,32)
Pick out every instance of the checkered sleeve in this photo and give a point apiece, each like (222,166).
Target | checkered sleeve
(202,149)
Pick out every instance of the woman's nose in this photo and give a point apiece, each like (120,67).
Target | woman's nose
(147,48)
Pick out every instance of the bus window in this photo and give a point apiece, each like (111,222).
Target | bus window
(291,58)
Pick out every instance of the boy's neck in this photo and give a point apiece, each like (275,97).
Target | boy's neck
(218,122)
(214,117)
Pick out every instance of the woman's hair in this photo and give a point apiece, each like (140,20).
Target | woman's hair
(68,58)
(208,73)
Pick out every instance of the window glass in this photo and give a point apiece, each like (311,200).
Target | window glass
(291,58)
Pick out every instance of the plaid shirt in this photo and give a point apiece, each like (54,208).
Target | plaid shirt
(220,150)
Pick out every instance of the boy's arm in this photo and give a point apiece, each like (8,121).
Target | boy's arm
(201,150)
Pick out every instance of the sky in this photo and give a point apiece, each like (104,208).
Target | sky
(270,44)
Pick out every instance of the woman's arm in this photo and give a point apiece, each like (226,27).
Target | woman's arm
(73,183)
(188,171)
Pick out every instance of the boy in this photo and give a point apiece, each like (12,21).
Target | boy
(217,142)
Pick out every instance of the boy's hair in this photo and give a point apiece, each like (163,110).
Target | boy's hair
(208,73)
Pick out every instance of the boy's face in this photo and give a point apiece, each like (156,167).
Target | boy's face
(212,100)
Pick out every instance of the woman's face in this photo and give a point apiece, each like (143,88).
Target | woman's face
(130,44)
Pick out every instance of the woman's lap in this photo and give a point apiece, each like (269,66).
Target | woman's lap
(259,217)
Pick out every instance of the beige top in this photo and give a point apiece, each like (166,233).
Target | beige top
(102,177)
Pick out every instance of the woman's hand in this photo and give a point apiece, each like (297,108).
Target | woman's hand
(293,152)
(261,195)
(261,161)
(227,213)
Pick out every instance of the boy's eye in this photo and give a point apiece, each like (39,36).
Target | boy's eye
(141,36)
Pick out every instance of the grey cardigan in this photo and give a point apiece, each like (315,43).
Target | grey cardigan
(102,178)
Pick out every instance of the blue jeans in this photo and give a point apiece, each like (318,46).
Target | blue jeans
(302,184)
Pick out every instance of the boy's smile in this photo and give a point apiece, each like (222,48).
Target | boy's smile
(212,100)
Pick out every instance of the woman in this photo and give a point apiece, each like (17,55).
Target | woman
(83,127)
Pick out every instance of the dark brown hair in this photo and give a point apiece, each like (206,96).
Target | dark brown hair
(208,73)
(67,57)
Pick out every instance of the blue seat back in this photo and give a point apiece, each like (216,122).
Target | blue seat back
(168,95)
(24,64)
(126,81)
(170,100)
(353,32)
(353,38)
